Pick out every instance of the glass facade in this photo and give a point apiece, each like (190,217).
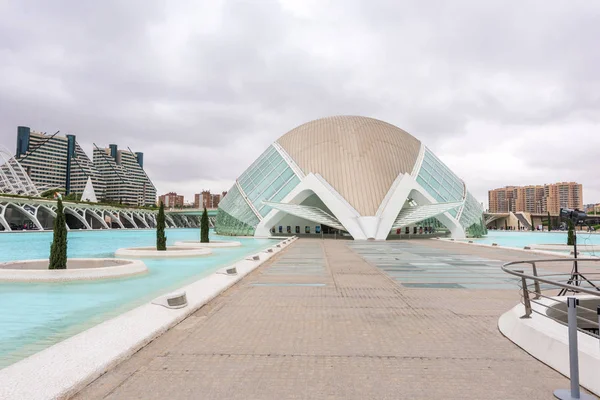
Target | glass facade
(472,211)
(441,183)
(444,186)
(269,178)
(234,205)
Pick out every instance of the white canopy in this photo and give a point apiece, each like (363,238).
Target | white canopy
(88,193)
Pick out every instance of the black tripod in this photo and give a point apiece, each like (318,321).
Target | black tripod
(576,277)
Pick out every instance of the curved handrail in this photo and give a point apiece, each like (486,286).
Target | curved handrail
(536,277)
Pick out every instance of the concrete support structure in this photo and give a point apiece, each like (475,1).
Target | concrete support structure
(39,214)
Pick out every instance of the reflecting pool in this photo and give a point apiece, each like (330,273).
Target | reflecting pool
(588,243)
(34,316)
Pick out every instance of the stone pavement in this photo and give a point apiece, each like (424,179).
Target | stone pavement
(319,322)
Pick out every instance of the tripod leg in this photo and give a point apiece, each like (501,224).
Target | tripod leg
(583,278)
(564,291)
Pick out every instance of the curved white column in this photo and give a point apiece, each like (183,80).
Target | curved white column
(366,227)
(27,214)
(93,214)
(3,220)
(170,220)
(114,218)
(456,229)
(128,218)
(76,215)
(141,219)
(312,184)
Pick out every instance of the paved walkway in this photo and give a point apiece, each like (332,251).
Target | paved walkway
(320,322)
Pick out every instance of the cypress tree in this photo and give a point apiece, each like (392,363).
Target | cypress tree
(204,227)
(161,239)
(570,236)
(58,249)
(549,222)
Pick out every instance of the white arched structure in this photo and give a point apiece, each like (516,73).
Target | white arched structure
(41,213)
(127,216)
(353,174)
(344,216)
(98,217)
(140,218)
(113,217)
(13,178)
(74,212)
(169,220)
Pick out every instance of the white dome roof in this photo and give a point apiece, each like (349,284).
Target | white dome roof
(359,156)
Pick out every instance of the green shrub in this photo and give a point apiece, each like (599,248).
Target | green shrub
(204,227)
(161,239)
(58,249)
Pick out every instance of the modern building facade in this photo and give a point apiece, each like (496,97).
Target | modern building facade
(351,174)
(13,177)
(54,161)
(171,199)
(536,198)
(124,175)
(207,199)
(58,162)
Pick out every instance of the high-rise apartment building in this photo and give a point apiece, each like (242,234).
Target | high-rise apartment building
(54,162)
(207,199)
(58,162)
(536,198)
(171,199)
(123,172)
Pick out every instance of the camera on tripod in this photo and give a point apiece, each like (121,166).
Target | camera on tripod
(575,216)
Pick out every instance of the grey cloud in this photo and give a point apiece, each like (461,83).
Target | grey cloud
(203,88)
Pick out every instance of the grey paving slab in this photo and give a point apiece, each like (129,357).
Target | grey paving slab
(347,331)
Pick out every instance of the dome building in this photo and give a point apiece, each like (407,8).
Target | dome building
(353,174)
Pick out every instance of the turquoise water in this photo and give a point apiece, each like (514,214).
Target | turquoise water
(586,242)
(34,316)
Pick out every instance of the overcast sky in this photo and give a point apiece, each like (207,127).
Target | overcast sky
(505,93)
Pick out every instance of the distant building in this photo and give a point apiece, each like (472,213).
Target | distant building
(171,199)
(536,198)
(58,162)
(207,199)
(592,208)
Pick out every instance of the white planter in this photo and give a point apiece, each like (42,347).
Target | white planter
(211,244)
(171,252)
(77,269)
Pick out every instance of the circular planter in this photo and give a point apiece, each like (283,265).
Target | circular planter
(212,244)
(171,252)
(561,247)
(77,269)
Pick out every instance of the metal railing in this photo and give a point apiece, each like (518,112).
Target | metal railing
(534,293)
(575,302)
